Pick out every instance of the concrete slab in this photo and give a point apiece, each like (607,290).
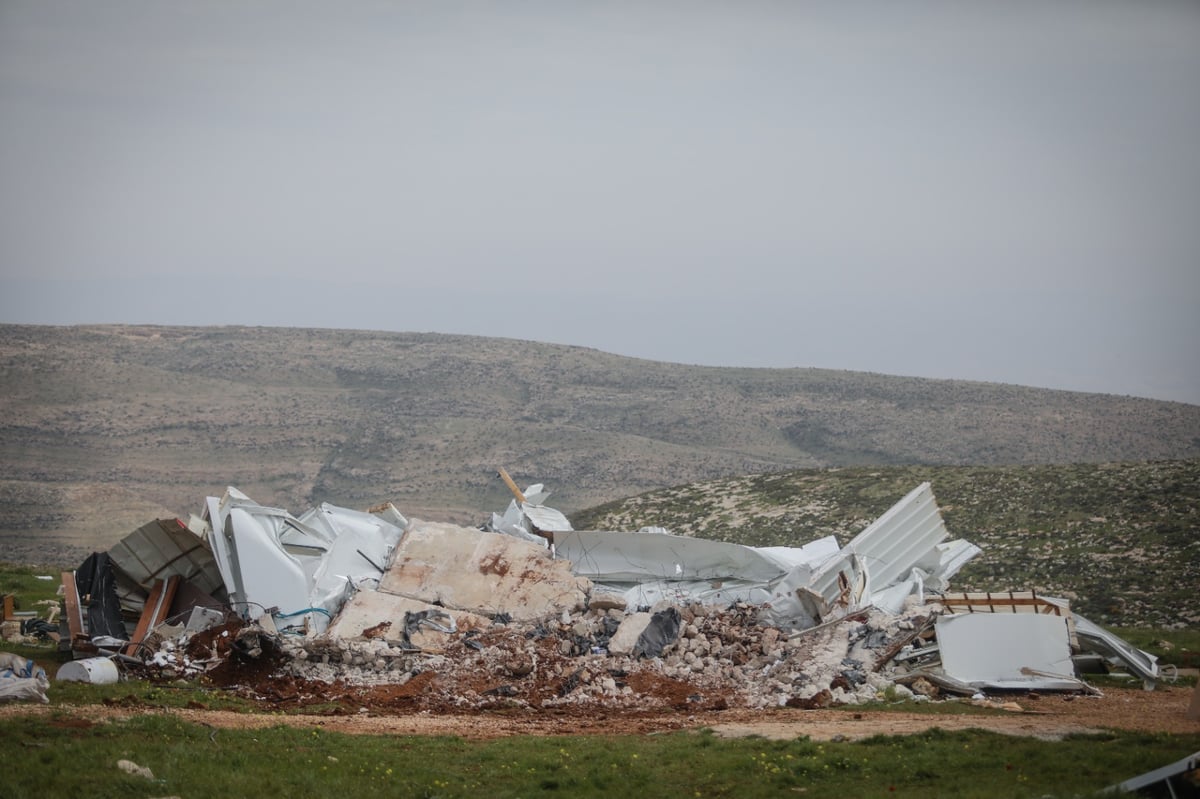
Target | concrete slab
(375,614)
(461,568)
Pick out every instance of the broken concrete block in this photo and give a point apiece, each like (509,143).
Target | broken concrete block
(606,602)
(923,687)
(461,568)
(378,615)
(627,635)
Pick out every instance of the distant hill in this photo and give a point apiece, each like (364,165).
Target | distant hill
(104,426)
(1120,540)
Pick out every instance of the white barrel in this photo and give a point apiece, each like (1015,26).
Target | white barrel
(98,671)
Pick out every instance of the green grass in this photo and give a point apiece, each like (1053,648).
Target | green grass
(196,761)
(23,582)
(1180,648)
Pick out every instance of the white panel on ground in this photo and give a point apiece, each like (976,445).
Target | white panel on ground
(1007,650)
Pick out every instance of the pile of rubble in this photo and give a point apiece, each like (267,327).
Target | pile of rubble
(527,612)
(715,658)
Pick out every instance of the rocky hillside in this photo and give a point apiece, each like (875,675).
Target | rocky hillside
(102,427)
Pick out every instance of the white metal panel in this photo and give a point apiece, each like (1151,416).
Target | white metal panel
(952,556)
(267,576)
(362,544)
(548,520)
(270,559)
(1094,638)
(1007,650)
(637,557)
(903,537)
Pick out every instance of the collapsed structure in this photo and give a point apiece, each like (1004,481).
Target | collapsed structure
(527,611)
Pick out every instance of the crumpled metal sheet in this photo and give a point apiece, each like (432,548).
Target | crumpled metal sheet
(897,555)
(165,547)
(301,570)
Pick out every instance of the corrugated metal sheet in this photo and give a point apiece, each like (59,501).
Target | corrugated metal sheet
(163,548)
(903,537)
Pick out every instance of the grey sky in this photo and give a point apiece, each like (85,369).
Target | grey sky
(1002,191)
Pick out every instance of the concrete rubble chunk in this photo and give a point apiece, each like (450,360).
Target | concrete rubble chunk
(601,601)
(385,613)
(627,635)
(461,568)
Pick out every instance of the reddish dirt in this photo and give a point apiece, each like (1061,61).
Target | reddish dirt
(504,694)
(389,710)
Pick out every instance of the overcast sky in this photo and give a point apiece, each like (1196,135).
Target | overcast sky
(999,191)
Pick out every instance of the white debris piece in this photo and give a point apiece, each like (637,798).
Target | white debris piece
(300,570)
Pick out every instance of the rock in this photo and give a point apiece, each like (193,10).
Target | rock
(822,698)
(129,767)
(606,602)
(769,638)
(923,687)
(626,636)
(519,665)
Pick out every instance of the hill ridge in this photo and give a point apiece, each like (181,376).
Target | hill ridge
(297,416)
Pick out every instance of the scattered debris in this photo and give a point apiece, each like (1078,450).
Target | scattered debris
(1178,779)
(527,612)
(21,679)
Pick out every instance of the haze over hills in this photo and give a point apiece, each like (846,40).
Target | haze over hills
(104,427)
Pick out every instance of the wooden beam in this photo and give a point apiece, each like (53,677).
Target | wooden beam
(74,607)
(1004,601)
(158,605)
(511,485)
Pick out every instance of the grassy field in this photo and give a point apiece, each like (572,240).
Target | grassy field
(65,756)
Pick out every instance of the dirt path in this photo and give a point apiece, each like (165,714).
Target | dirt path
(1048,716)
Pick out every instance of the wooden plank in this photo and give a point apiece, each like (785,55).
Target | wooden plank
(508,481)
(1000,602)
(8,607)
(74,607)
(158,605)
